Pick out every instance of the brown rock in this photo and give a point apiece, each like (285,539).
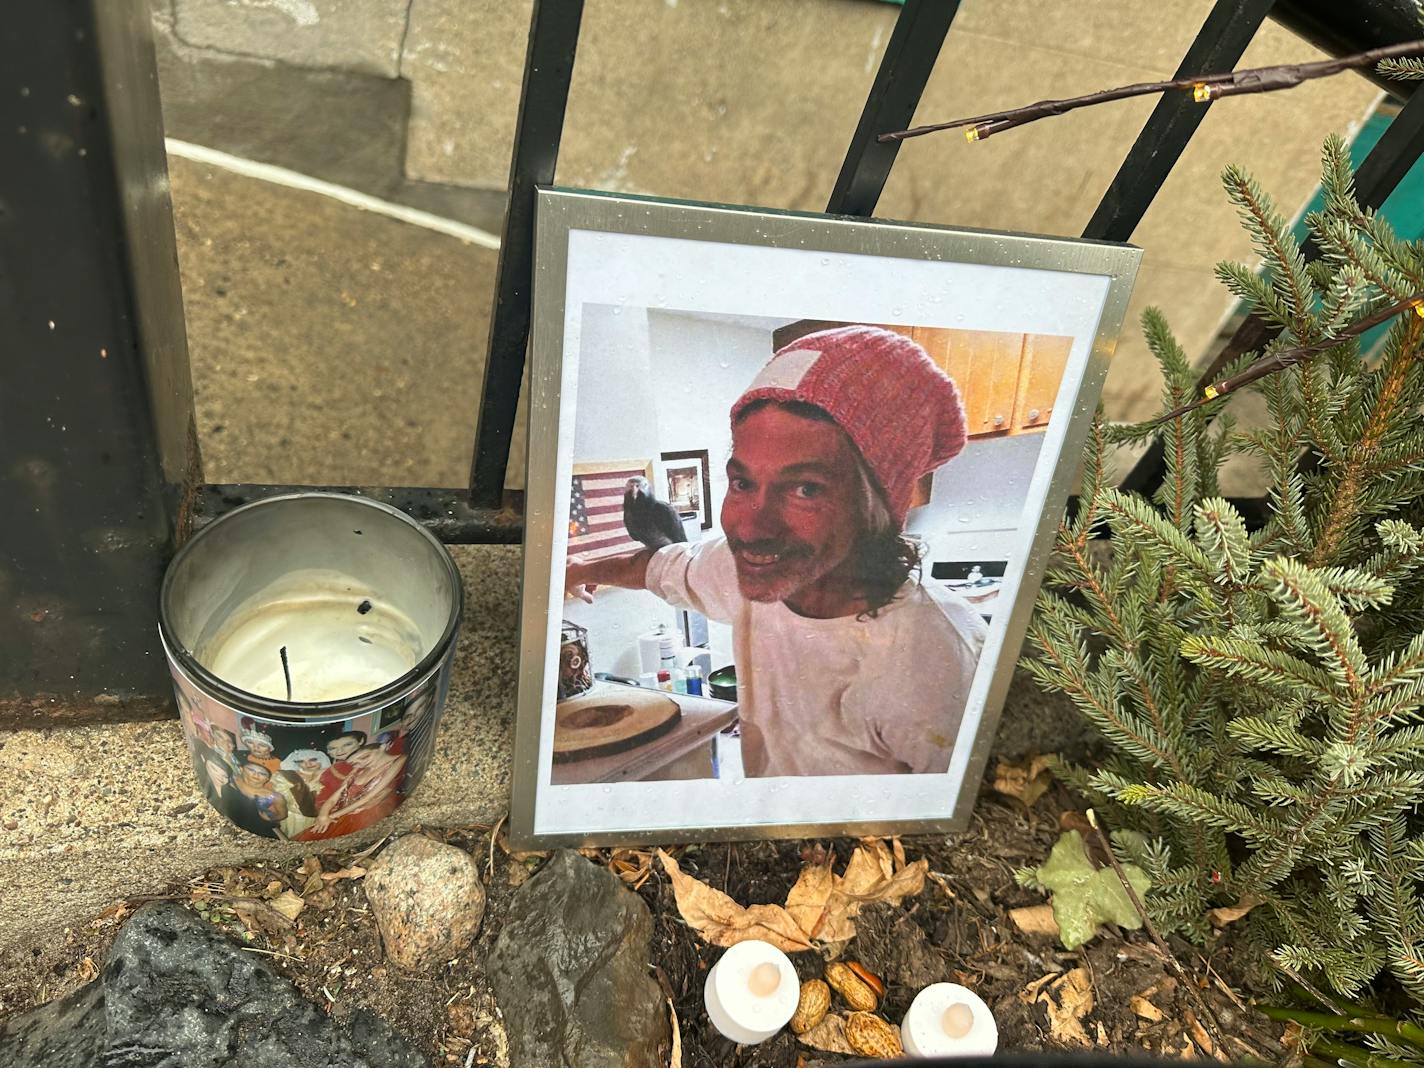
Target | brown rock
(427,900)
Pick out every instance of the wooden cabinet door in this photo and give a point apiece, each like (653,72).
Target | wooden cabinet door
(1044,359)
(985,366)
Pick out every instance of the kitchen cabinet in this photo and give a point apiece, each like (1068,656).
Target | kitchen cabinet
(1009,381)
(1040,375)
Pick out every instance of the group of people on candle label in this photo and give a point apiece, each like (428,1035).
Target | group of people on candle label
(330,783)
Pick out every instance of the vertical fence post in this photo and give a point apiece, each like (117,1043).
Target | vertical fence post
(1381,170)
(905,69)
(548,69)
(1218,46)
(98,456)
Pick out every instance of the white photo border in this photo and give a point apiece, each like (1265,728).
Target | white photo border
(597,248)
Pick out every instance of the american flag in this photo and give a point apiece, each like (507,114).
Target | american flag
(596,511)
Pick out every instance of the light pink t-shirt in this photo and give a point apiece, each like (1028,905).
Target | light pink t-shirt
(842,696)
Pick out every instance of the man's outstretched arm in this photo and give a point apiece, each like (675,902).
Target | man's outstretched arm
(627,571)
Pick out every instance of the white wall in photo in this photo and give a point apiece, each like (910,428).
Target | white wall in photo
(657,381)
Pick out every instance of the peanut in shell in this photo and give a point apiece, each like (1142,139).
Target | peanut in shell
(854,990)
(870,1036)
(811,1009)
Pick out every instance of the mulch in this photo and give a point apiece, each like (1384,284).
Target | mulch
(958,929)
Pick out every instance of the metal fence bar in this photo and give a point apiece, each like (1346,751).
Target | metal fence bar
(548,69)
(905,69)
(1218,46)
(446,513)
(1381,170)
(96,414)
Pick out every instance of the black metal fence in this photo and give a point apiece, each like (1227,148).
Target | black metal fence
(100,475)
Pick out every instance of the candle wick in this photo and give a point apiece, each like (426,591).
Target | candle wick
(286,670)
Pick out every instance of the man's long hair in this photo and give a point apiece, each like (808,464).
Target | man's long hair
(884,556)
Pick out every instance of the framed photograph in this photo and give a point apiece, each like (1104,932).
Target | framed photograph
(879,423)
(688,477)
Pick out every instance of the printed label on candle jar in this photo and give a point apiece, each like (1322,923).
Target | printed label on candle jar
(305,782)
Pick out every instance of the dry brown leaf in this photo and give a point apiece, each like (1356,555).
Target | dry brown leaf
(1229,914)
(821,906)
(288,904)
(311,872)
(899,849)
(1067,999)
(722,922)
(1025,781)
(1198,1033)
(828,1036)
(1145,1009)
(809,898)
(344,873)
(260,916)
(869,876)
(1035,919)
(675,1058)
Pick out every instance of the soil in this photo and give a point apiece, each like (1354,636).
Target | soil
(957,930)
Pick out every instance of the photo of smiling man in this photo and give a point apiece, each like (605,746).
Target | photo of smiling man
(848,662)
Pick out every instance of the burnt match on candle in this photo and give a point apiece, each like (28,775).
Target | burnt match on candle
(286,670)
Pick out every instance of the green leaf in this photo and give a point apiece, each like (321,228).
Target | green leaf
(1085,897)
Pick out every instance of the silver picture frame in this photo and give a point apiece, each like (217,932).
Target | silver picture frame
(578,236)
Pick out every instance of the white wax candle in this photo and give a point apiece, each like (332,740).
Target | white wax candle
(947,1020)
(751,992)
(341,639)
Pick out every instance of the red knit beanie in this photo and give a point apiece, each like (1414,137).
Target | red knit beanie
(902,412)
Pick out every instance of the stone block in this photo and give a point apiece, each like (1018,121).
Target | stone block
(355,35)
(264,111)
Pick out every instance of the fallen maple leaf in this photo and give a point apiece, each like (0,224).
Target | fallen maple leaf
(1229,914)
(1025,781)
(721,921)
(810,898)
(821,907)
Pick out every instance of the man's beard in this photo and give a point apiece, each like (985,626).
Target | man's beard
(772,570)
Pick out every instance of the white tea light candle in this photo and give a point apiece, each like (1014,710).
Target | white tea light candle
(948,1020)
(751,993)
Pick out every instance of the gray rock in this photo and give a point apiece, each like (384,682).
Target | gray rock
(175,992)
(68,1033)
(570,973)
(427,899)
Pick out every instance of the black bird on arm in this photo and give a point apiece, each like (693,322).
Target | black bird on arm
(653,522)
